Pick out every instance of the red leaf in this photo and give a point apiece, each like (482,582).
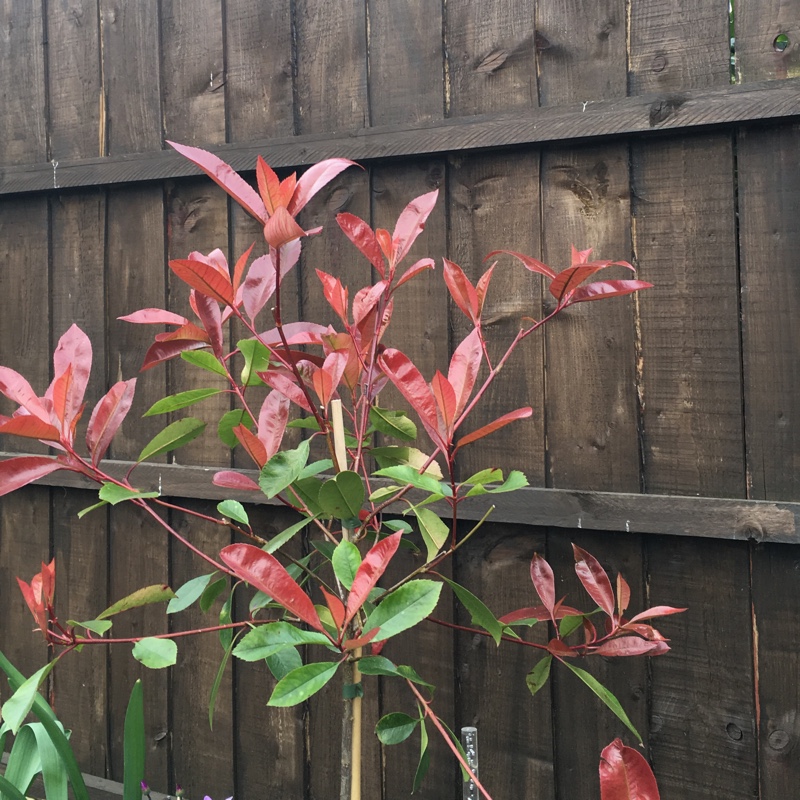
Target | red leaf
(623,594)
(210,316)
(187,332)
(228,479)
(544,582)
(384,239)
(287,388)
(632,646)
(369,572)
(314,178)
(30,427)
(259,286)
(336,607)
(204,278)
(281,228)
(446,403)
(461,290)
(625,774)
(252,444)
(483,286)
(539,613)
(354,644)
(269,186)
(296,333)
(415,269)
(464,367)
(530,263)
(579,256)
(500,422)
(411,223)
(335,294)
(363,237)
(366,299)
(558,648)
(18,472)
(164,351)
(657,611)
(58,393)
(264,572)
(224,176)
(594,579)
(272,421)
(154,316)
(73,350)
(407,378)
(107,416)
(19,391)
(327,377)
(603,289)
(238,270)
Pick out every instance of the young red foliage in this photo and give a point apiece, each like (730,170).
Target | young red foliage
(204,279)
(544,583)
(18,472)
(39,593)
(594,579)
(107,416)
(363,237)
(336,607)
(369,572)
(625,774)
(500,422)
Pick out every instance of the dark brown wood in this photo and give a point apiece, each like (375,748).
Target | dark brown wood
(643,114)
(258,69)
(758,56)
(74,79)
(130,120)
(515,731)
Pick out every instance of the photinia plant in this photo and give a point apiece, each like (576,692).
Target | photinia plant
(327,381)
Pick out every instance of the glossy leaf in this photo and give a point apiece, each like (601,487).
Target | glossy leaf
(544,582)
(399,455)
(623,594)
(632,646)
(211,593)
(363,237)
(379,665)
(223,175)
(625,774)
(283,469)
(228,479)
(188,593)
(302,683)
(445,397)
(230,420)
(133,745)
(335,294)
(424,756)
(280,664)
(107,417)
(404,474)
(393,423)
(30,427)
(264,572)
(656,611)
(156,653)
(500,422)
(346,560)
(314,178)
(74,353)
(113,493)
(411,223)
(530,263)
(369,572)
(181,400)
(434,532)
(233,509)
(404,608)
(212,698)
(251,444)
(395,728)
(539,675)
(285,536)
(16,708)
(265,640)
(417,267)
(343,495)
(18,472)
(281,228)
(204,360)
(605,289)
(464,367)
(19,391)
(172,437)
(154,316)
(461,289)
(204,279)
(210,315)
(594,579)
(478,611)
(157,593)
(606,696)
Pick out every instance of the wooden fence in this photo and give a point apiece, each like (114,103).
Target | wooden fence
(665,438)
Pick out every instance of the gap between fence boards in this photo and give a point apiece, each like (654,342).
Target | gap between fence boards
(677,515)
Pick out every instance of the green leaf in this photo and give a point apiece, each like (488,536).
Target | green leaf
(315,467)
(9,789)
(609,699)
(283,537)
(399,455)
(393,423)
(404,474)
(490,475)
(211,593)
(233,509)
(301,683)
(256,359)
(404,608)
(230,420)
(181,400)
(212,698)
(158,593)
(155,653)
(204,360)
(342,496)
(113,494)
(380,665)
(98,626)
(424,757)
(265,640)
(16,708)
(397,525)
(84,511)
(283,469)
(225,618)
(24,761)
(568,625)
(385,491)
(434,531)
(479,613)
(133,745)
(304,423)
(188,593)
(346,560)
(538,676)
(395,728)
(324,548)
(307,492)
(280,664)
(172,437)
(515,480)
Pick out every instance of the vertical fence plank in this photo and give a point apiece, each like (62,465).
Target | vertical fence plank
(139,552)
(259,69)
(759,57)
